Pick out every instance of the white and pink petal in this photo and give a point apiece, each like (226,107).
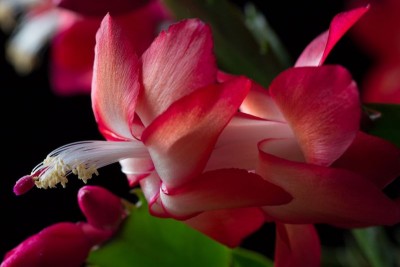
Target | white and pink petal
(179,61)
(115,86)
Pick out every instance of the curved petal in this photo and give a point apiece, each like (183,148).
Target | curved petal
(115,85)
(222,189)
(297,245)
(323,194)
(230,226)
(151,185)
(237,145)
(364,157)
(179,61)
(322,106)
(317,51)
(181,139)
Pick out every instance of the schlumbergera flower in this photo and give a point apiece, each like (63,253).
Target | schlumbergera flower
(66,243)
(162,114)
(378,34)
(69,28)
(176,130)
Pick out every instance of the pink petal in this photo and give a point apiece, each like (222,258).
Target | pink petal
(181,139)
(374,158)
(179,61)
(323,194)
(297,245)
(317,51)
(73,45)
(230,226)
(115,81)
(62,244)
(322,106)
(222,189)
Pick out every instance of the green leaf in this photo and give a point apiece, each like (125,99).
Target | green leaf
(145,240)
(375,246)
(236,48)
(384,121)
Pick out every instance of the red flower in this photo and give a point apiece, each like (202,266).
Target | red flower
(72,36)
(378,34)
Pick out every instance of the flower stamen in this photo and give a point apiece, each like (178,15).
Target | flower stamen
(82,159)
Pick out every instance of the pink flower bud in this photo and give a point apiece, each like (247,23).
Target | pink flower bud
(63,245)
(101,208)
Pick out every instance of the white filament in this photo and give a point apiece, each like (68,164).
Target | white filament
(83,159)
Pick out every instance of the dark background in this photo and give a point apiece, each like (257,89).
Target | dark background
(34,121)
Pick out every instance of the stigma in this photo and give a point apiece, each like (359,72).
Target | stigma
(83,159)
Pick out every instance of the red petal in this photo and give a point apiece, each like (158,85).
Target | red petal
(181,139)
(317,51)
(115,81)
(179,61)
(322,106)
(222,189)
(323,194)
(374,158)
(230,226)
(297,245)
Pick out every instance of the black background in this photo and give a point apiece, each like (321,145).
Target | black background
(35,121)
